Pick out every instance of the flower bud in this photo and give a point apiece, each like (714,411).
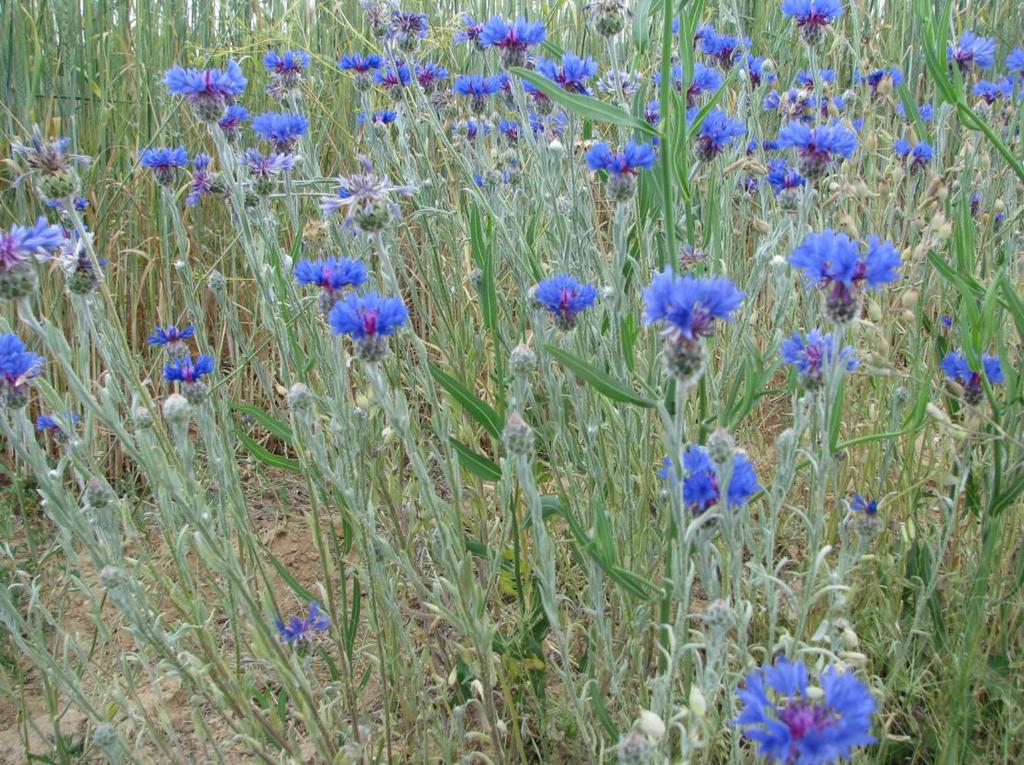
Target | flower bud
(177,409)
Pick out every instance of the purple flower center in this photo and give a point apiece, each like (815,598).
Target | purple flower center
(813,19)
(370,317)
(10,251)
(802,718)
(702,322)
(814,355)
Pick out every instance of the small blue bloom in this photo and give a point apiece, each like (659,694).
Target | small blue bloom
(202,180)
(429,74)
(233,117)
(702,483)
(164,162)
(281,129)
(723,48)
(810,354)
(478,85)
(812,16)
(301,630)
(56,424)
(756,73)
(381,117)
(360,63)
(573,73)
(512,38)
(17,365)
(209,91)
(972,51)
(470,32)
(956,367)
(290,62)
(332,274)
(867,506)
(917,155)
(705,80)
(818,148)
(263,168)
(366,317)
(874,78)
(783,178)
(1015,62)
(990,92)
(689,306)
(22,243)
(391,77)
(631,160)
(797,730)
(947,321)
(925,110)
(183,369)
(717,131)
(564,298)
(170,335)
(408,27)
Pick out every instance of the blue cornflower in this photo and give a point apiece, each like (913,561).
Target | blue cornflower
(301,630)
(833,260)
(874,79)
(702,484)
(234,116)
(756,71)
(971,51)
(990,92)
(812,16)
(477,87)
(171,337)
(785,181)
(512,38)
(408,28)
(564,298)
(429,74)
(818,148)
(572,75)
(210,91)
(806,79)
(509,129)
(23,243)
(332,275)
(688,306)
(867,506)
(925,110)
(290,62)
(652,112)
(164,162)
(810,354)
(1015,62)
(364,67)
(182,369)
(705,80)
(382,117)
(917,155)
(57,424)
(368,319)
(622,167)
(723,48)
(795,729)
(470,32)
(203,180)
(281,129)
(717,131)
(265,168)
(391,77)
(956,367)
(17,367)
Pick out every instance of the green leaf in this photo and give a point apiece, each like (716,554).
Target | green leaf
(482,467)
(479,410)
(290,580)
(483,254)
(275,427)
(597,379)
(264,455)
(587,107)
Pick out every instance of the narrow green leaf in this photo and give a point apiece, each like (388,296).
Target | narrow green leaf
(266,456)
(482,467)
(597,379)
(272,425)
(305,595)
(479,410)
(587,107)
